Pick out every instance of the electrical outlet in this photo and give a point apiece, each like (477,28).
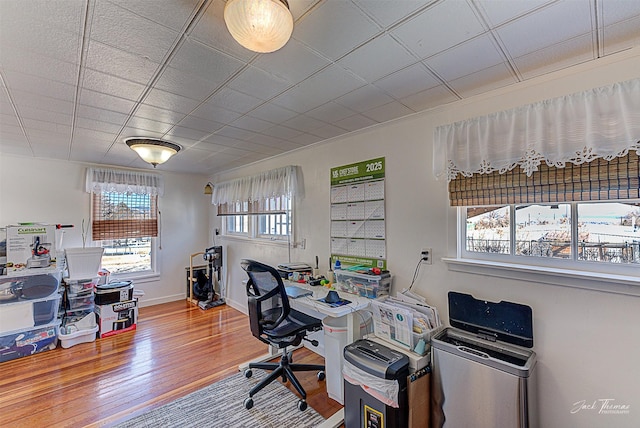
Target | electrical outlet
(425,255)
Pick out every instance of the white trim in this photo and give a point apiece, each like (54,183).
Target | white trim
(620,284)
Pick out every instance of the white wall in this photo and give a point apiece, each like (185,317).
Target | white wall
(588,342)
(53,192)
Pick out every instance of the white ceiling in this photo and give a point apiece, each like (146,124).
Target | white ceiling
(79,76)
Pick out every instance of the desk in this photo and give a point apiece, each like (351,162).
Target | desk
(307,303)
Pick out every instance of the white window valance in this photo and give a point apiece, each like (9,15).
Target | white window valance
(578,128)
(101,180)
(270,184)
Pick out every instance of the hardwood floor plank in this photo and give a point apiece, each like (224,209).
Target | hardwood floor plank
(176,349)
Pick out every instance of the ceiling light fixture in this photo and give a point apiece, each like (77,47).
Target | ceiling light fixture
(152,150)
(208,189)
(261,26)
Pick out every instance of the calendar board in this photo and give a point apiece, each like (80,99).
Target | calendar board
(358,233)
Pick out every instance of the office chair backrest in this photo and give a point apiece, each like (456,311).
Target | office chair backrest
(268,303)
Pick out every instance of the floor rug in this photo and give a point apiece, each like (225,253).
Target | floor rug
(221,405)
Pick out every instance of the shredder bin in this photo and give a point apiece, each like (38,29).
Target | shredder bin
(480,378)
(375,389)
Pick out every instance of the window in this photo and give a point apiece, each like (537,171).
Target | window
(274,227)
(260,206)
(603,232)
(124,214)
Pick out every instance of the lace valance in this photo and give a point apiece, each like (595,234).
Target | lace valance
(578,128)
(101,180)
(269,184)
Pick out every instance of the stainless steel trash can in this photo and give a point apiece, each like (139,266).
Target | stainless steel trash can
(483,372)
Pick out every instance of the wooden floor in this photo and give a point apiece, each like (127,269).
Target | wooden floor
(176,349)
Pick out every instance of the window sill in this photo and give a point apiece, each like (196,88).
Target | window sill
(259,241)
(136,278)
(608,283)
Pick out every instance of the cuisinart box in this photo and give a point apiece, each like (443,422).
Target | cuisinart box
(30,246)
(117,317)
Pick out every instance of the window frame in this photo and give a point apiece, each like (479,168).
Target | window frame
(253,226)
(608,277)
(140,276)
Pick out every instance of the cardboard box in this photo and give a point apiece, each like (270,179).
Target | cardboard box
(117,317)
(30,247)
(419,398)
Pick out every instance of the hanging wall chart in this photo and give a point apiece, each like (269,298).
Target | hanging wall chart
(358,236)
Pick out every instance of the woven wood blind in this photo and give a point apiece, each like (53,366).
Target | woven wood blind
(279,205)
(597,180)
(122,216)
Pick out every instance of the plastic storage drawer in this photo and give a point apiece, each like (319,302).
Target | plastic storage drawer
(18,287)
(22,343)
(28,314)
(371,286)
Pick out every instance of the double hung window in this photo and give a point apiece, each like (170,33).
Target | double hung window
(125,219)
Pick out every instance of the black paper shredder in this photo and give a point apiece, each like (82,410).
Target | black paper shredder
(361,408)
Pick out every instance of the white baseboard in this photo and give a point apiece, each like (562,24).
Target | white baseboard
(159,300)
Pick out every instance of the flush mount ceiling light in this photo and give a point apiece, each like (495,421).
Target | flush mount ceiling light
(262,26)
(152,150)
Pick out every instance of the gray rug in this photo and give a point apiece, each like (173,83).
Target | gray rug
(221,405)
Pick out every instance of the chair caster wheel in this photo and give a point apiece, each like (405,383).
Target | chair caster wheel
(302,405)
(321,376)
(248,373)
(248,403)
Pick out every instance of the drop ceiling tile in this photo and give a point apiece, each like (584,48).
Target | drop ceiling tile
(109,102)
(479,54)
(186,84)
(438,28)
(319,89)
(116,62)
(305,139)
(35,64)
(364,98)
(101,114)
(335,28)
(431,97)
(148,125)
(281,131)
(619,11)
(160,114)
(555,57)
(117,27)
(212,31)
(251,124)
(7,118)
(293,63)
(97,125)
(410,80)
(173,102)
(622,35)
(258,83)
(501,11)
(235,133)
(131,131)
(303,123)
(267,140)
(55,128)
(329,131)
(61,14)
(205,62)
(111,85)
(83,136)
(379,57)
(26,99)
(188,133)
(355,122)
(39,86)
(330,112)
(213,112)
(388,12)
(272,113)
(390,111)
(170,14)
(45,115)
(197,123)
(485,80)
(558,21)
(235,101)
(14,146)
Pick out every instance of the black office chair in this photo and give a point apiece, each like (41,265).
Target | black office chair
(274,322)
